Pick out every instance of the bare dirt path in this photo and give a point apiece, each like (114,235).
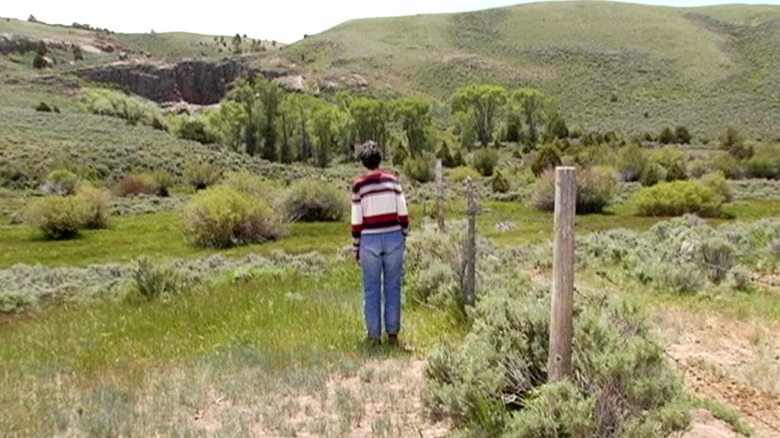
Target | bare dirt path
(379,399)
(734,362)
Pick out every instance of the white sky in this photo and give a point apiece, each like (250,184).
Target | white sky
(282,20)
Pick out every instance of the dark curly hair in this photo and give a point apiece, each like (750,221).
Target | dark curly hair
(370,154)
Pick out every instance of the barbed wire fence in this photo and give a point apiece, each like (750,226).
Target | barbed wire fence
(598,301)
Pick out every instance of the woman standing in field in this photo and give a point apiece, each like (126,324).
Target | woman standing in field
(380,222)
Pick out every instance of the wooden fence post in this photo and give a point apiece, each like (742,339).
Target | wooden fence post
(470,255)
(439,197)
(561,324)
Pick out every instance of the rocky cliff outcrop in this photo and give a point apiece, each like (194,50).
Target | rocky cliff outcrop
(18,44)
(195,82)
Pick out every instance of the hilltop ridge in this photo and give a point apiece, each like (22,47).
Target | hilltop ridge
(612,66)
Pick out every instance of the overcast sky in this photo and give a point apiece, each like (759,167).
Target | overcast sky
(282,20)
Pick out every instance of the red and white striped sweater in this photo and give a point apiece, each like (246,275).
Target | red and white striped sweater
(378,206)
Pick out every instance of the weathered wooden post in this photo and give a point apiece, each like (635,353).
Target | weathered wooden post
(470,256)
(561,324)
(439,198)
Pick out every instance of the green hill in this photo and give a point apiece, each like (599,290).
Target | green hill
(614,66)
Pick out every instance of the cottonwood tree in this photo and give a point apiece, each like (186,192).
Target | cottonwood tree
(486,101)
(413,114)
(534,108)
(297,109)
(227,124)
(328,126)
(464,126)
(270,95)
(244,95)
(370,117)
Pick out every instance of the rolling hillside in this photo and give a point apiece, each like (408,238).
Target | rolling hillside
(613,66)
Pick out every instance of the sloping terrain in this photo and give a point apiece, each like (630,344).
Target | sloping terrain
(612,66)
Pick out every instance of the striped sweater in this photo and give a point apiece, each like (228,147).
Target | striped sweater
(378,206)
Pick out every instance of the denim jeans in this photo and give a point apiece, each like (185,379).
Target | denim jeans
(381,260)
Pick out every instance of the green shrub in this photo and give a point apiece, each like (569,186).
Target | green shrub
(461,173)
(556,128)
(195,130)
(457,159)
(673,161)
(547,157)
(162,182)
(761,167)
(78,54)
(15,302)
(595,189)
(554,410)
(40,62)
(717,182)
(499,183)
(202,175)
(698,168)
(419,169)
(314,201)
(398,153)
(434,267)
(730,166)
(59,217)
(250,184)
(765,163)
(484,161)
(60,182)
(677,198)
(652,174)
(631,163)
(717,257)
(495,383)
(114,103)
(99,201)
(445,156)
(733,142)
(43,107)
(151,281)
(681,135)
(134,185)
(666,136)
(220,216)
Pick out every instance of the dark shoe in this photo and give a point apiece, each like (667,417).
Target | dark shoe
(373,342)
(392,340)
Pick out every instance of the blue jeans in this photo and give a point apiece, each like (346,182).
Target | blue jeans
(381,260)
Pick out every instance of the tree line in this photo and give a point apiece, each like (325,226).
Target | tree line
(259,118)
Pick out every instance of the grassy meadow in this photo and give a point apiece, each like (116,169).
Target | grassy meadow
(279,329)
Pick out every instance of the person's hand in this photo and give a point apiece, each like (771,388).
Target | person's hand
(356,253)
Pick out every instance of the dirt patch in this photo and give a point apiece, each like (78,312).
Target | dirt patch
(705,425)
(381,398)
(733,362)
(89,48)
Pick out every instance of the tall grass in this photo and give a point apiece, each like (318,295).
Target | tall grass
(241,340)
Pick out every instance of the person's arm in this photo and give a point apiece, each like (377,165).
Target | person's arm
(403,212)
(357,221)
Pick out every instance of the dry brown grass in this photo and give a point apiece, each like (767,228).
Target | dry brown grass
(734,362)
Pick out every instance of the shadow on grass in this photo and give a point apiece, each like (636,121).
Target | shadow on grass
(368,350)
